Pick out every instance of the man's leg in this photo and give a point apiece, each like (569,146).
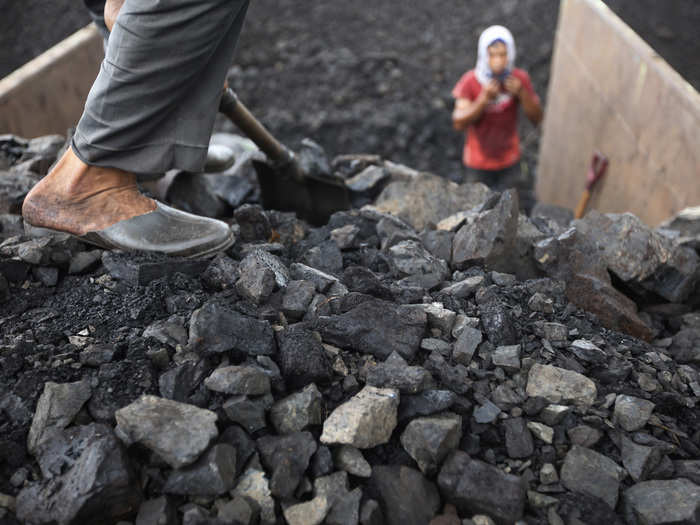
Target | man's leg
(153,105)
(152,108)
(510,177)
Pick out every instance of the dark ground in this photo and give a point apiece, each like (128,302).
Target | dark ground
(357,77)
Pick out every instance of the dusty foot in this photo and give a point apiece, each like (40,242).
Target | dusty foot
(77,198)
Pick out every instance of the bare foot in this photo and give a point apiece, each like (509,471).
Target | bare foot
(77,198)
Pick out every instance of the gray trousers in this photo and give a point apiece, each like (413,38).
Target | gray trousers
(153,104)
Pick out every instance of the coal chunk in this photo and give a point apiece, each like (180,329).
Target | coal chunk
(177,432)
(99,486)
(211,475)
(406,496)
(662,501)
(475,487)
(139,270)
(215,328)
(591,473)
(287,458)
(302,358)
(396,373)
(376,327)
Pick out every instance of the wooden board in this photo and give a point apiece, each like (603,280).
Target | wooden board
(47,94)
(609,91)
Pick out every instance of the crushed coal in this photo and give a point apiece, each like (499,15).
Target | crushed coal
(431,356)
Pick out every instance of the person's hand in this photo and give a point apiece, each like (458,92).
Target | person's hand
(513,85)
(491,90)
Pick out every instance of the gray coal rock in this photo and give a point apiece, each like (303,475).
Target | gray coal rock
(170,331)
(428,440)
(592,473)
(248,412)
(297,298)
(321,280)
(260,273)
(660,502)
(211,475)
(298,411)
(685,346)
(490,238)
(325,257)
(350,459)
(455,377)
(572,257)
(287,457)
(253,484)
(310,512)
(183,381)
(496,320)
(557,384)
(475,487)
(406,496)
(159,511)
(98,486)
(57,406)
(632,413)
(466,345)
(412,262)
(365,421)
(177,432)
(425,199)
(639,460)
(640,257)
(426,403)
(302,358)
(245,380)
(215,328)
(519,443)
(395,373)
(376,327)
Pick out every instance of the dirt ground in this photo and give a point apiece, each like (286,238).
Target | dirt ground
(362,79)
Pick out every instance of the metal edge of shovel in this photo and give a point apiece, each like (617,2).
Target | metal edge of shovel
(283,184)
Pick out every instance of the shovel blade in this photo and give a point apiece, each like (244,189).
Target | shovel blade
(314,199)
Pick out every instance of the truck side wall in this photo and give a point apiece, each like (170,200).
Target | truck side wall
(47,94)
(609,91)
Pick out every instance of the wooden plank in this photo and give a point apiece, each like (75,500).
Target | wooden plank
(47,94)
(609,91)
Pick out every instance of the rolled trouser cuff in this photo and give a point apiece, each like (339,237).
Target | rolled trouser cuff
(145,161)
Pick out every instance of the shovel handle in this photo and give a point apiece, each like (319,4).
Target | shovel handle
(234,109)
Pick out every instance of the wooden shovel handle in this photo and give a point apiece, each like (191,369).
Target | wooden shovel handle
(234,109)
(582,203)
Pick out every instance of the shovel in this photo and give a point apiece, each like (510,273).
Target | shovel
(283,183)
(599,163)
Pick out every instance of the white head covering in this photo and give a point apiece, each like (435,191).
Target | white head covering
(488,37)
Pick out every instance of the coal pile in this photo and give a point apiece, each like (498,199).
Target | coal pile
(431,356)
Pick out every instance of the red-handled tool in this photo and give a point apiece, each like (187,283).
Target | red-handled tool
(599,164)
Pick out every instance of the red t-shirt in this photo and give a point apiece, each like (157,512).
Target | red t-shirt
(492,142)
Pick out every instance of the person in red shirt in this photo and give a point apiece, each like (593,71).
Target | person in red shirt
(486,108)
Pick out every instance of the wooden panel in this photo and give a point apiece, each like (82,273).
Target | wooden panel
(47,94)
(609,91)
